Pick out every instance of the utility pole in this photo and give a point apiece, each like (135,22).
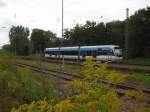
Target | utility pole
(147,1)
(15,49)
(62,34)
(15,16)
(62,19)
(79,53)
(126,54)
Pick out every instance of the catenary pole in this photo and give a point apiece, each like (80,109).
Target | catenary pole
(62,33)
(62,19)
(126,53)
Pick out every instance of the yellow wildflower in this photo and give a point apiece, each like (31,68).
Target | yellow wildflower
(116,77)
(91,106)
(65,106)
(79,98)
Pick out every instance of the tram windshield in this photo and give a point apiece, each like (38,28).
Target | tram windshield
(118,51)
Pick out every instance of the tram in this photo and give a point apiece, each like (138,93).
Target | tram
(98,52)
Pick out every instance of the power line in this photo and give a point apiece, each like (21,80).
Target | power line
(75,2)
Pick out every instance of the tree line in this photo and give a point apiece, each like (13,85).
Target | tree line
(91,33)
(22,43)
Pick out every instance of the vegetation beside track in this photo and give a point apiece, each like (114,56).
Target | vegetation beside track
(133,77)
(23,90)
(19,85)
(53,66)
(137,61)
(139,78)
(118,65)
(133,61)
(89,95)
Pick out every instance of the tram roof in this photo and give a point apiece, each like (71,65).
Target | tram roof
(83,48)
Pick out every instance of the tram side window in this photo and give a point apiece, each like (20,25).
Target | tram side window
(75,52)
(89,53)
(100,52)
(69,52)
(83,53)
(94,54)
(104,52)
(62,52)
(46,52)
(50,52)
(55,52)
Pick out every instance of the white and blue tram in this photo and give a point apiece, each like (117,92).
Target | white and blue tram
(99,52)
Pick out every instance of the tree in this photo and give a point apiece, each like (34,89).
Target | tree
(41,39)
(89,34)
(115,32)
(67,41)
(7,47)
(100,35)
(139,35)
(18,36)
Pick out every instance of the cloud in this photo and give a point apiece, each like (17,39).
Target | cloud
(2,4)
(6,22)
(46,14)
(5,25)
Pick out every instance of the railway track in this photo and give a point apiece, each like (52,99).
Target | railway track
(124,67)
(69,77)
(62,75)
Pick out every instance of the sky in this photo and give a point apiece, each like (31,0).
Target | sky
(46,14)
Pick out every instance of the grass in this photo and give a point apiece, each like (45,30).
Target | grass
(137,61)
(139,77)
(133,61)
(54,66)
(131,76)
(20,85)
(80,96)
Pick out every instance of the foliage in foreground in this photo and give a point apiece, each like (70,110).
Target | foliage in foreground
(17,86)
(84,95)
(89,94)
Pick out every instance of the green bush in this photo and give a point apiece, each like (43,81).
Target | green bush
(18,86)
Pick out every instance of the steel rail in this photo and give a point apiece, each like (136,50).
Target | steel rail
(70,77)
(123,67)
